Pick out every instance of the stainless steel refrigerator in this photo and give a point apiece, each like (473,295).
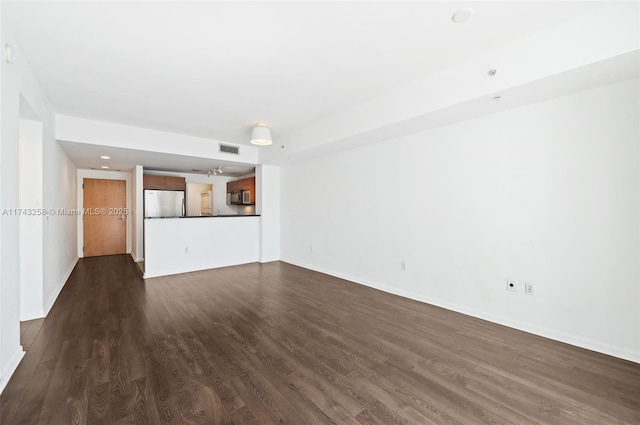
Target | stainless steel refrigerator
(164,203)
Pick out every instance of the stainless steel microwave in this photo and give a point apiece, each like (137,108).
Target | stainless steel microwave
(234,198)
(241,197)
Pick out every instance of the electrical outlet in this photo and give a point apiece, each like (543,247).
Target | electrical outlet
(512,285)
(403,265)
(528,288)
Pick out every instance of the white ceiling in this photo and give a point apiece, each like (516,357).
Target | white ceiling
(212,69)
(126,159)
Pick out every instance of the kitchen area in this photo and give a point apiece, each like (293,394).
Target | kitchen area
(172,196)
(195,221)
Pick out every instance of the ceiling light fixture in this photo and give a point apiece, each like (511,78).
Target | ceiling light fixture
(462,15)
(214,171)
(105,157)
(104,167)
(261,135)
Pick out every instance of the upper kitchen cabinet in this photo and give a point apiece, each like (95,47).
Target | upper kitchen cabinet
(152,182)
(250,184)
(174,183)
(163,182)
(232,186)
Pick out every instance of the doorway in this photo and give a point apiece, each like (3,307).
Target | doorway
(196,206)
(104,225)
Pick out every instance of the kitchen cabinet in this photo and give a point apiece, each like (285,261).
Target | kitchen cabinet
(174,183)
(244,184)
(250,184)
(150,181)
(233,186)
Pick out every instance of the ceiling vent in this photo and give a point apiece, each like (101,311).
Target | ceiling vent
(230,149)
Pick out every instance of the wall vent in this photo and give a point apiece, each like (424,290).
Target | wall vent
(230,149)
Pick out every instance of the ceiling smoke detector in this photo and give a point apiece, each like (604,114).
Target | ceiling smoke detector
(462,15)
(10,54)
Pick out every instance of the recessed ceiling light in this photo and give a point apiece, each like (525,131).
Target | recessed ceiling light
(462,15)
(104,166)
(105,157)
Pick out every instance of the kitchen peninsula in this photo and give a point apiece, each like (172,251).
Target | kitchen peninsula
(175,242)
(185,244)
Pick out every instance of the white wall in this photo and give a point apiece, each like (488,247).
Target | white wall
(60,248)
(137,213)
(546,193)
(5,326)
(31,233)
(180,245)
(58,174)
(268,207)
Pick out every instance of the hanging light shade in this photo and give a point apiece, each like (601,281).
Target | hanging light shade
(261,135)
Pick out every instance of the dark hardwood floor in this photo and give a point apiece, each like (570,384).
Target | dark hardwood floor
(277,344)
(28,332)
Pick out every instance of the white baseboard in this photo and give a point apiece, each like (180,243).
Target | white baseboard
(589,344)
(147,275)
(10,367)
(54,296)
(135,259)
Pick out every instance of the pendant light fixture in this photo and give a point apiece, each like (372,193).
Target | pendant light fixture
(261,135)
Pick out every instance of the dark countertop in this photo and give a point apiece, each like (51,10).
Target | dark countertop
(210,216)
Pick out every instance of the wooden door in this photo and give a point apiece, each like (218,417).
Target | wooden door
(105,217)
